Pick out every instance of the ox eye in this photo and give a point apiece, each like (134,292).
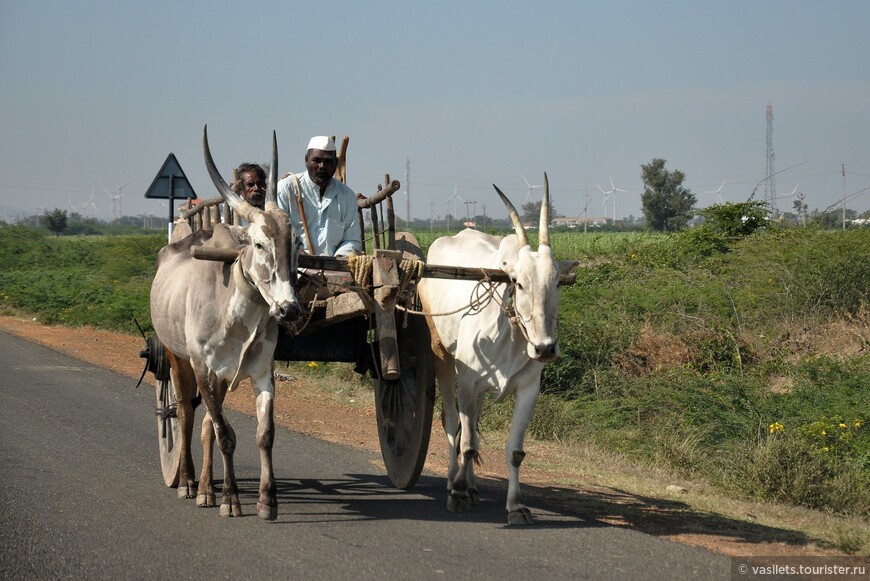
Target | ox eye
(520,286)
(258,246)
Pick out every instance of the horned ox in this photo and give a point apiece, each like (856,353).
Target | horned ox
(499,347)
(219,325)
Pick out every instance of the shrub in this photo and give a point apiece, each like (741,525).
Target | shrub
(783,468)
(735,220)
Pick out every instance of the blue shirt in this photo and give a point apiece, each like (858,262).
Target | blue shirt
(333,221)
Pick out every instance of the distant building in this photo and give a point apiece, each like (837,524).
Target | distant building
(579,222)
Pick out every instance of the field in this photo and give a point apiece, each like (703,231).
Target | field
(737,360)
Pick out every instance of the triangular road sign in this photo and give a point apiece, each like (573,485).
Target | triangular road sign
(170,174)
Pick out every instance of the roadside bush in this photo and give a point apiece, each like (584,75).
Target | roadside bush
(802,274)
(783,468)
(735,220)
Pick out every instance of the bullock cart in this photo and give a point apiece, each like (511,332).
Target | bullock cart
(362,310)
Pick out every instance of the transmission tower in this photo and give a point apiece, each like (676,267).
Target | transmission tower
(408,192)
(770,181)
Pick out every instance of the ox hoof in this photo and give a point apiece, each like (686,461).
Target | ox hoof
(205,500)
(474,495)
(185,491)
(520,516)
(457,502)
(232,509)
(267,512)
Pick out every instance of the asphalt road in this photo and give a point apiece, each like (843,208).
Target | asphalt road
(82,498)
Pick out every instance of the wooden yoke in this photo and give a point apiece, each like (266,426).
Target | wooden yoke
(385,281)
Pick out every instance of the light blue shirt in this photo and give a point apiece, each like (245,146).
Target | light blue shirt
(333,221)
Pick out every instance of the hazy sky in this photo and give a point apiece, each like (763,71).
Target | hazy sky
(95,95)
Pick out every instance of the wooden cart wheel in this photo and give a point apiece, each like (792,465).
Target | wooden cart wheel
(168,433)
(404,407)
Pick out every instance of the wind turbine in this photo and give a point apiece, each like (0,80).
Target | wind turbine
(453,198)
(790,195)
(116,201)
(89,207)
(717,192)
(608,194)
(40,210)
(531,187)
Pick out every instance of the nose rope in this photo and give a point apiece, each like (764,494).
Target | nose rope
(509,310)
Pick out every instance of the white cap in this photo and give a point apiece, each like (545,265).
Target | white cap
(322,142)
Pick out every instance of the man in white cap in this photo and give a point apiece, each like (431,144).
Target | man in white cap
(329,207)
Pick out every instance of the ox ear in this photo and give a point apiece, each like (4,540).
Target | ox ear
(566,266)
(508,254)
(242,235)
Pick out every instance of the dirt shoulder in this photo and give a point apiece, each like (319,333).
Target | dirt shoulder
(583,482)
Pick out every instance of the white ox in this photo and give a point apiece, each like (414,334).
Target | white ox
(500,347)
(219,325)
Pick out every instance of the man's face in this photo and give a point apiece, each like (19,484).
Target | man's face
(321,166)
(253,189)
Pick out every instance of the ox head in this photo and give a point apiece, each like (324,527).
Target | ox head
(268,260)
(535,277)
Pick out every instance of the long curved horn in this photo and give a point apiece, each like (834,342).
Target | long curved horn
(272,187)
(544,227)
(235,201)
(515,218)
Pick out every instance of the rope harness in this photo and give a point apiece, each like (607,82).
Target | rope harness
(245,286)
(410,272)
(481,295)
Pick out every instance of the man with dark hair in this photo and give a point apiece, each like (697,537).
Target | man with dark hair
(250,183)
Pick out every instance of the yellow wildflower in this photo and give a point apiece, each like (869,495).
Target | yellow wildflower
(312,364)
(776,427)
(858,423)
(843,426)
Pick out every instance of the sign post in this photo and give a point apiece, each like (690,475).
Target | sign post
(170,183)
